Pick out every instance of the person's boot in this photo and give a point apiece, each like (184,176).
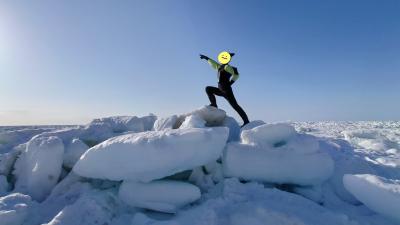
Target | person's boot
(213,105)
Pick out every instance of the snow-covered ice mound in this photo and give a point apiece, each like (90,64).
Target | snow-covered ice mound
(377,193)
(276,153)
(14,209)
(213,116)
(152,155)
(193,121)
(73,151)
(162,195)
(166,123)
(39,167)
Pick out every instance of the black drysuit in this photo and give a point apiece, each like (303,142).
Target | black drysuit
(225,73)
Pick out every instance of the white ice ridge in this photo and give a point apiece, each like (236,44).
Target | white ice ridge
(152,155)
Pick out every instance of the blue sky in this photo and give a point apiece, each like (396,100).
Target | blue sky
(65,62)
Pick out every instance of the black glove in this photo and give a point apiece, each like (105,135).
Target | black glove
(203,57)
(231,82)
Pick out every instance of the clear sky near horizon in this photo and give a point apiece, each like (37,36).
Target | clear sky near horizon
(65,62)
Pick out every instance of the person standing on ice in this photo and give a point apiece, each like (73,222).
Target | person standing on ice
(227,75)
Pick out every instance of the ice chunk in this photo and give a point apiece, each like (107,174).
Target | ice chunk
(39,166)
(73,152)
(347,164)
(163,195)
(234,128)
(3,185)
(14,209)
(268,135)
(7,161)
(152,155)
(276,153)
(65,193)
(213,116)
(193,121)
(165,123)
(253,124)
(377,193)
(207,176)
(251,163)
(148,121)
(301,144)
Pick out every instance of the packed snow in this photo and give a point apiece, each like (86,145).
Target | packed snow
(379,194)
(200,168)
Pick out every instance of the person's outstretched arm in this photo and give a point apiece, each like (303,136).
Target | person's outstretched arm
(232,70)
(212,63)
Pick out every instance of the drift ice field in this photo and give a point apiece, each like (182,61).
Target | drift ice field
(200,168)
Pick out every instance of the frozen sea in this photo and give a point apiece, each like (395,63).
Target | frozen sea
(367,151)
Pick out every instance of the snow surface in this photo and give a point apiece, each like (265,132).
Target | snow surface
(152,155)
(367,147)
(379,194)
(163,195)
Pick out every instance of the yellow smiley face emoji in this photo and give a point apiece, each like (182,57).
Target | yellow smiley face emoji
(224,57)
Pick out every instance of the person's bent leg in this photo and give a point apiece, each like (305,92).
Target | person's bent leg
(211,92)
(232,101)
